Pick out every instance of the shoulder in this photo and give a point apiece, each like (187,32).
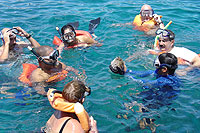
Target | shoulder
(74,126)
(38,75)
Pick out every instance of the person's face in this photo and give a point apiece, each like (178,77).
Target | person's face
(165,44)
(69,36)
(146,14)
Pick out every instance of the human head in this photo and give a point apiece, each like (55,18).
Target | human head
(118,66)
(12,35)
(146,12)
(47,56)
(68,33)
(166,39)
(166,64)
(75,91)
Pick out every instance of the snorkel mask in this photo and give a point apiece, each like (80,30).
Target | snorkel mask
(117,66)
(70,35)
(13,34)
(159,66)
(86,93)
(53,56)
(165,33)
(147,13)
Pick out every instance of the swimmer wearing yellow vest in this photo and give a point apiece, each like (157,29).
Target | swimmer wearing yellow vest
(147,20)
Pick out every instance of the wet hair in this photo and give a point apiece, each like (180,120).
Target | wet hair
(171,34)
(117,66)
(74,91)
(170,61)
(67,26)
(43,50)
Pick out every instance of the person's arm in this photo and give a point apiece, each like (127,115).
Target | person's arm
(140,73)
(5,52)
(23,33)
(157,18)
(195,64)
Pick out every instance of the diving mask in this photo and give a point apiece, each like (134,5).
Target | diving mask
(147,13)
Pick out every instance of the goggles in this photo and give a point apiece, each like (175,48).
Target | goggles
(53,56)
(68,36)
(147,13)
(13,30)
(163,32)
(158,65)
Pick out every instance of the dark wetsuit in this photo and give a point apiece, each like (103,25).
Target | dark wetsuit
(158,92)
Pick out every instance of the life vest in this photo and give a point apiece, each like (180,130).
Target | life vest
(57,41)
(29,68)
(57,101)
(146,26)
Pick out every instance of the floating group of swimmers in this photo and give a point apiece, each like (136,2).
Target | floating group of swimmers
(70,114)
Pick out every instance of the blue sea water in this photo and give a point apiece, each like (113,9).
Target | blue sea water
(110,93)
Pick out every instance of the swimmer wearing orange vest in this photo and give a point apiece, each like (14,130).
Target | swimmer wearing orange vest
(147,20)
(70,115)
(72,38)
(49,70)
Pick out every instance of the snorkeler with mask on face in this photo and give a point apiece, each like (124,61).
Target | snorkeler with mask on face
(11,48)
(50,69)
(163,87)
(72,38)
(146,21)
(157,92)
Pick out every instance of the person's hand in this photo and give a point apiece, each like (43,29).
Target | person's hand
(6,38)
(21,33)
(157,18)
(93,125)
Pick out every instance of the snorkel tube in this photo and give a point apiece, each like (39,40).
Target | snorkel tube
(157,36)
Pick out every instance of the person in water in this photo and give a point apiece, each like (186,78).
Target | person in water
(146,21)
(49,70)
(70,40)
(11,47)
(165,86)
(68,116)
(185,56)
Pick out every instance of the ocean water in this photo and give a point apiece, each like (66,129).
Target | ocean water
(110,93)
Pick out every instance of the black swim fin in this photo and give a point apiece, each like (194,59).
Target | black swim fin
(74,24)
(93,25)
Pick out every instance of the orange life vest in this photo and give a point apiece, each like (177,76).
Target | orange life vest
(29,68)
(59,103)
(57,41)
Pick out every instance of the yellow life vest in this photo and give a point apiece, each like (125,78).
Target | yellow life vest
(143,26)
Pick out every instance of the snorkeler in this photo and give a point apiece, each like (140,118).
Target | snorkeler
(70,115)
(49,70)
(185,56)
(11,47)
(163,87)
(146,21)
(72,38)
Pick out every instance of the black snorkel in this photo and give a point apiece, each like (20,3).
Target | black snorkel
(40,58)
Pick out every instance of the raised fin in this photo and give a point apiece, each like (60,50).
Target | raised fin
(93,25)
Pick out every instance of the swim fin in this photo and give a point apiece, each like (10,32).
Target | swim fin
(93,25)
(74,24)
